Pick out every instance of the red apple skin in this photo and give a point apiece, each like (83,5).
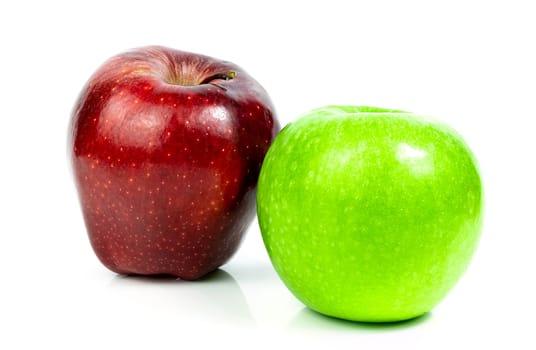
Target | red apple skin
(166,148)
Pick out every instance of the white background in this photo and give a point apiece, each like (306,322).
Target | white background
(469,63)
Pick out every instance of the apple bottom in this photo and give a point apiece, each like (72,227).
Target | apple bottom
(351,280)
(163,244)
(400,280)
(371,304)
(400,319)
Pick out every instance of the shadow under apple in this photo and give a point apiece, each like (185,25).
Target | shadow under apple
(214,299)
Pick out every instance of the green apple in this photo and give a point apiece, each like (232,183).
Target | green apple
(369,214)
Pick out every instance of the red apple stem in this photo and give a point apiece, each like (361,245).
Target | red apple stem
(220,76)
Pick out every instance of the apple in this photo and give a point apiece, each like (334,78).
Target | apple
(369,214)
(166,148)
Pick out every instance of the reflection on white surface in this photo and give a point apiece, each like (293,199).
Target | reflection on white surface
(217,298)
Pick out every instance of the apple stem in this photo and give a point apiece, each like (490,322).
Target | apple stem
(220,76)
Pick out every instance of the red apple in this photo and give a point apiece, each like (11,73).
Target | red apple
(166,148)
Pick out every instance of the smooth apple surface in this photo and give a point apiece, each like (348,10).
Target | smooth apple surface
(369,214)
(166,147)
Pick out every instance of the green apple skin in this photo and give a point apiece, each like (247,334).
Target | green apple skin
(369,214)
